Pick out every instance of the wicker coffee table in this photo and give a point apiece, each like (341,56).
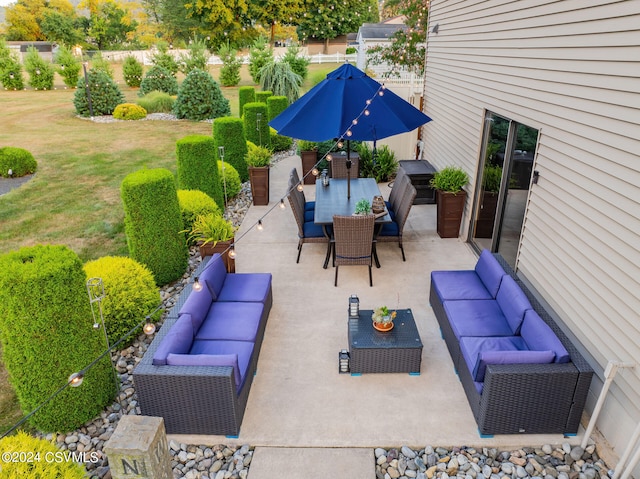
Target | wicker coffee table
(395,351)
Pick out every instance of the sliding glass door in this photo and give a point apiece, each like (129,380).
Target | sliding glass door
(505,168)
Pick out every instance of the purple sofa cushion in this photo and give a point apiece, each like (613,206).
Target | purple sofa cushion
(206,360)
(177,341)
(471,347)
(196,306)
(456,285)
(490,272)
(476,317)
(513,302)
(242,349)
(214,274)
(233,321)
(245,287)
(540,337)
(509,357)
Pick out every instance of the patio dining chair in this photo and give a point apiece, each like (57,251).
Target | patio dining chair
(399,184)
(292,189)
(308,231)
(353,242)
(339,167)
(295,179)
(393,231)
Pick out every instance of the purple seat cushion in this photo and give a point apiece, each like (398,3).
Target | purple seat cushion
(540,337)
(490,272)
(177,341)
(207,360)
(231,320)
(197,306)
(463,284)
(214,274)
(253,287)
(242,349)
(477,317)
(513,302)
(509,357)
(471,347)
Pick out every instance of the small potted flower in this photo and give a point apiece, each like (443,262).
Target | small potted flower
(213,234)
(258,160)
(383,318)
(363,207)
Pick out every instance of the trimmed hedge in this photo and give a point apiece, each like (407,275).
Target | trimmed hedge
(258,134)
(280,142)
(276,105)
(23,442)
(229,132)
(232,184)
(196,155)
(200,98)
(246,94)
(153,224)
(132,71)
(130,295)
(160,79)
(194,203)
(262,96)
(129,111)
(46,335)
(20,161)
(105,94)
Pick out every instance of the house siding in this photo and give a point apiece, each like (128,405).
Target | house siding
(571,69)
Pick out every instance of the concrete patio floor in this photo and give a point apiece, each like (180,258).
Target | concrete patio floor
(299,400)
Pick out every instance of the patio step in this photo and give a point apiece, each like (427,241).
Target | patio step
(312,463)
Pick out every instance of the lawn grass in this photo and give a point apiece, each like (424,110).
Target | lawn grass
(74,198)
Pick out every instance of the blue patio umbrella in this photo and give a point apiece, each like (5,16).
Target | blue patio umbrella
(327,110)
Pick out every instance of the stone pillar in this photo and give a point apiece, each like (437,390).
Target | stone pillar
(138,449)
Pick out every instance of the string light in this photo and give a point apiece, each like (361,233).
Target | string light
(282,205)
(197,285)
(232,252)
(149,327)
(314,171)
(259,227)
(300,187)
(329,157)
(76,379)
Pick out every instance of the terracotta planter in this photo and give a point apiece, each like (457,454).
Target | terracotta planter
(450,207)
(486,215)
(383,326)
(220,247)
(259,178)
(309,160)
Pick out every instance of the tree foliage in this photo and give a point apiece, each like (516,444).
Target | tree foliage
(200,98)
(260,54)
(271,12)
(299,63)
(24,17)
(279,78)
(230,71)
(68,66)
(110,25)
(10,69)
(132,71)
(162,58)
(223,20)
(197,57)
(40,71)
(105,94)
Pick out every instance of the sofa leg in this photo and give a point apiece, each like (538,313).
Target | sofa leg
(485,436)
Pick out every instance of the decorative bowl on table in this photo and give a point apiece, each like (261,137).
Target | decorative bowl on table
(383,318)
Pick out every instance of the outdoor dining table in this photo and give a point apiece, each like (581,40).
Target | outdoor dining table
(332,200)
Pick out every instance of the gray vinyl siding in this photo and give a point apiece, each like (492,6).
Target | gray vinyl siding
(570,68)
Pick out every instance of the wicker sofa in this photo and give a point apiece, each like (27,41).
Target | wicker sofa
(520,372)
(198,371)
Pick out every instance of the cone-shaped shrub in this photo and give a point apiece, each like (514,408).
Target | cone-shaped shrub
(46,334)
(105,94)
(197,166)
(130,295)
(200,98)
(68,66)
(229,132)
(256,124)
(132,71)
(11,73)
(40,71)
(153,224)
(262,96)
(246,94)
(158,79)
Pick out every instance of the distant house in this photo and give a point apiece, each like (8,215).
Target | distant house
(372,35)
(549,92)
(45,49)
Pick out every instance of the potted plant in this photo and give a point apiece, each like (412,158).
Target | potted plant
(213,234)
(491,179)
(450,199)
(383,318)
(258,160)
(363,207)
(309,155)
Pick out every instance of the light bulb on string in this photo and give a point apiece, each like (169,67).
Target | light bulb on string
(314,171)
(149,328)
(232,252)
(329,157)
(197,285)
(366,113)
(282,205)
(349,133)
(355,121)
(259,226)
(340,144)
(76,379)
(300,187)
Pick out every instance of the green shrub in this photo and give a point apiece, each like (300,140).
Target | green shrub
(196,156)
(11,73)
(351,50)
(229,179)
(68,66)
(132,71)
(211,228)
(40,72)
(256,131)
(262,96)
(230,70)
(200,98)
(382,168)
(164,59)
(491,178)
(299,64)
(276,105)
(279,78)
(246,94)
(20,161)
(129,111)
(46,336)
(257,156)
(99,63)
(130,295)
(229,133)
(450,179)
(194,203)
(23,442)
(153,224)
(157,102)
(105,94)
(196,58)
(160,79)
(260,54)
(279,142)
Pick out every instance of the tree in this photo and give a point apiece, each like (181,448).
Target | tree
(10,68)
(407,49)
(270,12)
(69,66)
(279,78)
(25,17)
(110,25)
(325,21)
(230,71)
(224,21)
(299,64)
(40,71)
(197,57)
(259,55)
(61,28)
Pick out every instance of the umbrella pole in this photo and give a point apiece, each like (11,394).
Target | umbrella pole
(348,169)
